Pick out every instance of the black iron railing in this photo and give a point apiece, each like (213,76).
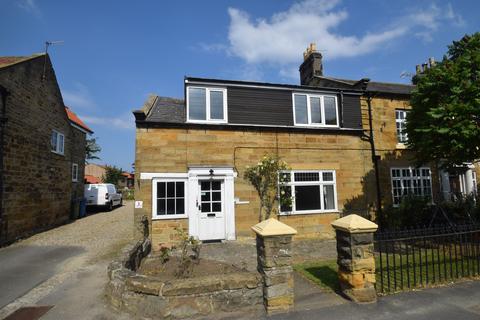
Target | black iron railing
(413,258)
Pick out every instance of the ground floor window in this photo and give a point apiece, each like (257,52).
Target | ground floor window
(169,199)
(411,181)
(311,191)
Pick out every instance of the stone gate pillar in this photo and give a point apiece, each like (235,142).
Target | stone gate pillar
(274,256)
(356,262)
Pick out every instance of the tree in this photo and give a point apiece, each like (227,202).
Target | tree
(92,148)
(112,175)
(265,177)
(444,123)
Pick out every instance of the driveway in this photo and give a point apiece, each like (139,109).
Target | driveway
(65,267)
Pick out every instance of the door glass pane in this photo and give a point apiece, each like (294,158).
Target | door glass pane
(301,109)
(216,105)
(216,196)
(197,104)
(205,196)
(160,206)
(328,197)
(170,206)
(180,209)
(206,207)
(330,110)
(180,189)
(307,197)
(315,110)
(170,189)
(216,185)
(205,185)
(216,207)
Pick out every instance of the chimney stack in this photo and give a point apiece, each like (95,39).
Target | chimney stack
(311,66)
(421,68)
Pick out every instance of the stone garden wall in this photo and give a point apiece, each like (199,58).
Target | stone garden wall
(148,297)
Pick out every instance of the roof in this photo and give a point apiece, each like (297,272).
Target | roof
(12,60)
(76,120)
(169,110)
(92,179)
(372,86)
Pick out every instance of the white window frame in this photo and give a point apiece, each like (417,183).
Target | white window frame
(320,183)
(401,137)
(59,148)
(74,172)
(154,199)
(420,178)
(309,111)
(207,105)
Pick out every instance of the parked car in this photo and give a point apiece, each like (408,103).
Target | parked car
(103,194)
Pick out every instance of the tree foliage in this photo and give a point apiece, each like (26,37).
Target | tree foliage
(112,175)
(264,177)
(92,149)
(444,123)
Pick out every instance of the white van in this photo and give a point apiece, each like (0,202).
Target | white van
(102,194)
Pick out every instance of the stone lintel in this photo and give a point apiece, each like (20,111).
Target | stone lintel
(354,224)
(272,227)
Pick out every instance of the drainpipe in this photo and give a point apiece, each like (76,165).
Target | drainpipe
(375,159)
(3,120)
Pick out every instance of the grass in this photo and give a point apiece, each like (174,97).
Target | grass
(322,273)
(426,267)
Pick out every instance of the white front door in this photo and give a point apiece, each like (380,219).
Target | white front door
(211,209)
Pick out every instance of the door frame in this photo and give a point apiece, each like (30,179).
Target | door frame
(227,174)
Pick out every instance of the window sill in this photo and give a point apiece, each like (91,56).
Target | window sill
(60,154)
(170,217)
(208,121)
(303,125)
(401,146)
(298,213)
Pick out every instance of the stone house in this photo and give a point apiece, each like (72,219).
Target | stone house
(336,135)
(94,173)
(43,147)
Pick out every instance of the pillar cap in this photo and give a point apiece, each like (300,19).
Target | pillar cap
(353,223)
(273,227)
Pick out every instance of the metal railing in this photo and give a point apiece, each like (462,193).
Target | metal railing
(413,258)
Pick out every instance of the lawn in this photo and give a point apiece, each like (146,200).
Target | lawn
(323,273)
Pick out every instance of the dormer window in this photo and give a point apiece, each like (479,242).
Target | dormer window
(315,110)
(206,104)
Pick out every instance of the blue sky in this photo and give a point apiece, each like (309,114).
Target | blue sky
(117,52)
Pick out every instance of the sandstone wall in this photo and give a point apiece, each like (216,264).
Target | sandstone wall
(37,182)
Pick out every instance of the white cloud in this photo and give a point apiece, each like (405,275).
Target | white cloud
(281,39)
(29,6)
(79,97)
(125,121)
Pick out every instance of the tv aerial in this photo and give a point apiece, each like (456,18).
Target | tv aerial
(48,44)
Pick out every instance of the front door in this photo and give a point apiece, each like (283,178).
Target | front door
(211,215)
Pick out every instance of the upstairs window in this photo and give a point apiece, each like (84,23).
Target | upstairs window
(315,110)
(401,122)
(206,104)
(57,142)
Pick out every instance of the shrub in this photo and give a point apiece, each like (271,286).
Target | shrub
(264,177)
(187,261)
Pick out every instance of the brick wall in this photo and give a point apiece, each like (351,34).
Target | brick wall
(37,182)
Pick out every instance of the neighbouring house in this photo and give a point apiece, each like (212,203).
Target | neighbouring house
(95,172)
(43,145)
(191,153)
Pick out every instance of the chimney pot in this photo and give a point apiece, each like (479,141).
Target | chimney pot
(431,62)
(424,66)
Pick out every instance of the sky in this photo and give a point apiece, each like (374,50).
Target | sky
(115,53)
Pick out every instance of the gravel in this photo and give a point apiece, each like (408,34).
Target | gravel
(99,234)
